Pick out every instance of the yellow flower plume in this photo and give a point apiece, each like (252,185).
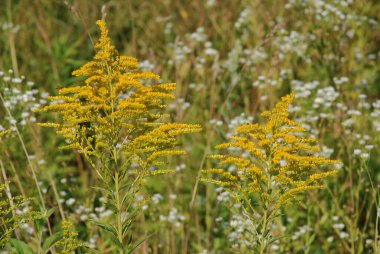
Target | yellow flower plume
(279,160)
(117,115)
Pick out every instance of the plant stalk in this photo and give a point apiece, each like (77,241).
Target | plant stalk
(263,230)
(118,215)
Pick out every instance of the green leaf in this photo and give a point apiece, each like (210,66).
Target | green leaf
(40,221)
(139,243)
(48,213)
(112,207)
(106,227)
(102,189)
(116,241)
(20,247)
(126,226)
(126,197)
(50,241)
(273,239)
(311,240)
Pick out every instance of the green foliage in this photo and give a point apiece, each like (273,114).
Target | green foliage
(14,213)
(231,60)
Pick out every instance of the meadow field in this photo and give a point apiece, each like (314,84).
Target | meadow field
(201,127)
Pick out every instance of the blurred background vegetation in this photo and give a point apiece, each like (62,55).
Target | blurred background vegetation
(231,60)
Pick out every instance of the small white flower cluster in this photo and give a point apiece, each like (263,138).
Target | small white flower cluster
(239,226)
(363,153)
(340,80)
(252,57)
(304,89)
(174,218)
(198,36)
(331,12)
(140,201)
(180,167)
(340,229)
(157,198)
(263,82)
(301,231)
(180,104)
(26,226)
(223,196)
(195,46)
(361,57)
(362,141)
(70,201)
(92,241)
(291,42)
(10,27)
(146,66)
(204,251)
(365,109)
(20,99)
(375,114)
(325,97)
(238,121)
(363,103)
(216,122)
(197,86)
(326,152)
(86,213)
(275,246)
(209,50)
(180,52)
(211,3)
(243,18)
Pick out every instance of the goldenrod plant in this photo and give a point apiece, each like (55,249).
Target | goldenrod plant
(270,165)
(69,241)
(117,120)
(15,213)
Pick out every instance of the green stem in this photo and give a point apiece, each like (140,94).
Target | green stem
(263,232)
(376,242)
(267,214)
(118,215)
(11,41)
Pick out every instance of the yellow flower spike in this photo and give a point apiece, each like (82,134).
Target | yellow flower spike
(158,154)
(70,241)
(11,219)
(116,114)
(282,162)
(4,133)
(291,194)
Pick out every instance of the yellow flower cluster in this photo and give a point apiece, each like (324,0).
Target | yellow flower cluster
(9,219)
(279,160)
(116,113)
(4,134)
(70,241)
